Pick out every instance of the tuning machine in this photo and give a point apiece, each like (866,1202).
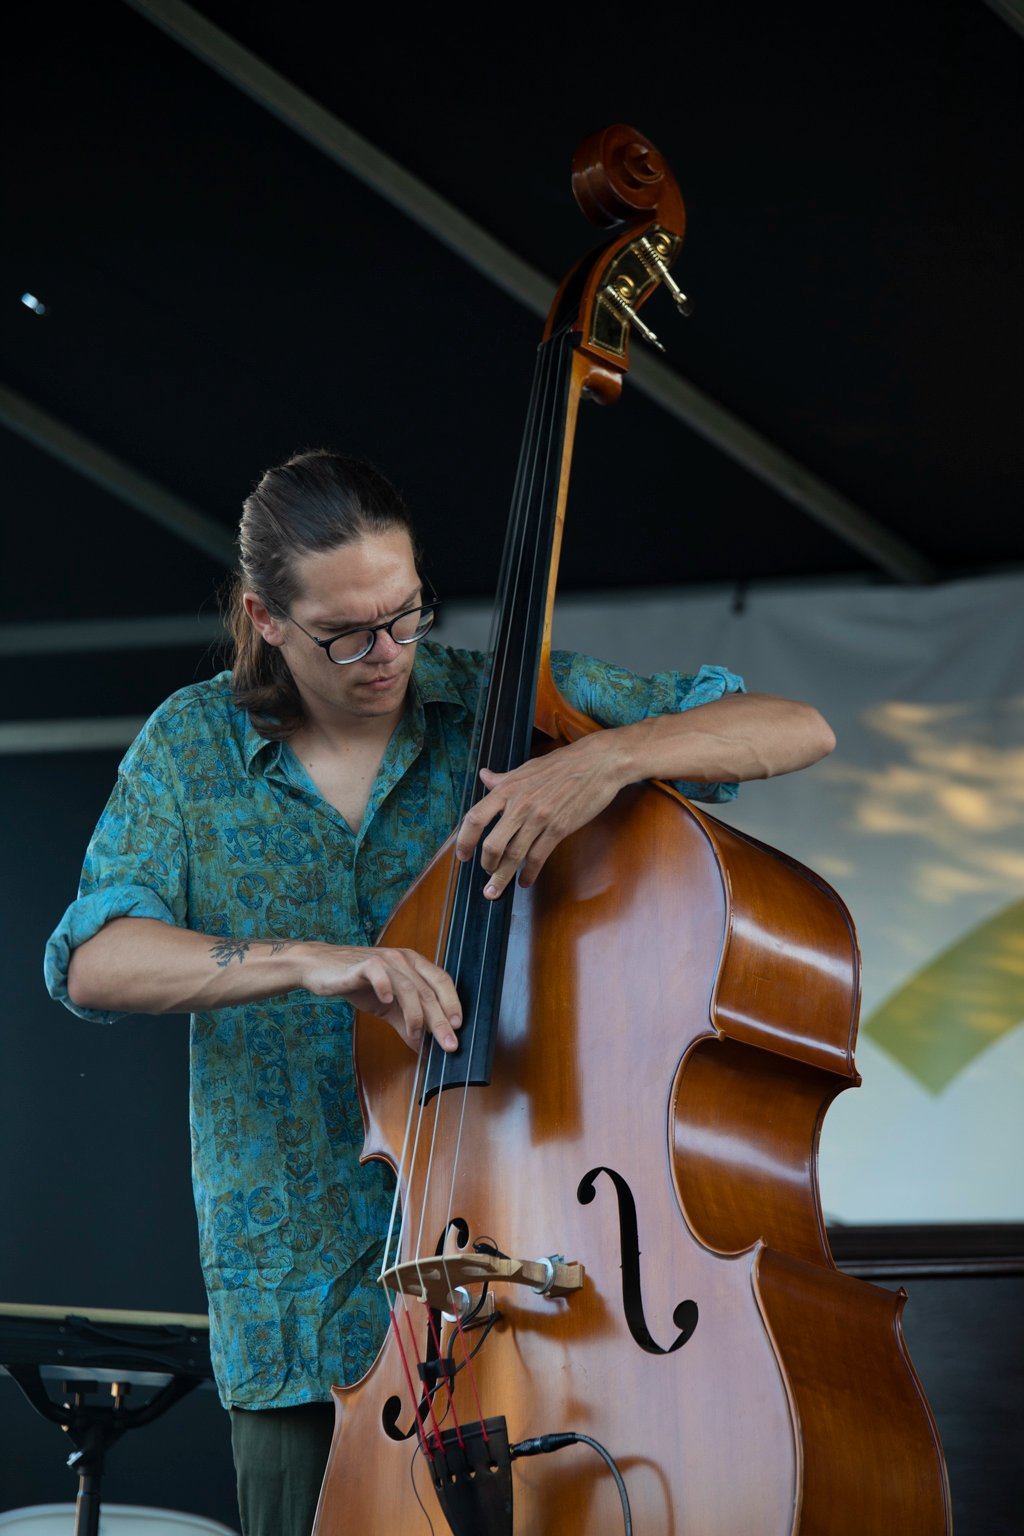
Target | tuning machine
(652,256)
(618,293)
(634,271)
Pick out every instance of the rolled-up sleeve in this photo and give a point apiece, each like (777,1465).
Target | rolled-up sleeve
(614,696)
(135,864)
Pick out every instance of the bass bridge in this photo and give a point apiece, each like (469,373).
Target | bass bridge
(442,1281)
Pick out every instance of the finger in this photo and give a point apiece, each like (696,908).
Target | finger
(501,840)
(514,853)
(375,972)
(474,824)
(418,1001)
(442,987)
(435,1020)
(406,1012)
(537,858)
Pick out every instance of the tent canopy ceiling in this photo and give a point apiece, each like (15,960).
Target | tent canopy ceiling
(219,291)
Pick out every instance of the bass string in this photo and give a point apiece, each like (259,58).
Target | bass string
(502,656)
(532,546)
(534,539)
(530,543)
(511,582)
(394,1241)
(526,542)
(457,871)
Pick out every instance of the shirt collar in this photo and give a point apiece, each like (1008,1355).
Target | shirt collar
(254,745)
(432,678)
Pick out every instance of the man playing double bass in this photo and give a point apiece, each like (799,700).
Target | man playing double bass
(263,826)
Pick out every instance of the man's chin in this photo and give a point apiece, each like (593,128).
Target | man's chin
(379,698)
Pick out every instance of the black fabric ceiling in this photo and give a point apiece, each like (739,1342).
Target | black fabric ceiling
(219,293)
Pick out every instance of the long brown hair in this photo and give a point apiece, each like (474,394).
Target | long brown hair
(314,503)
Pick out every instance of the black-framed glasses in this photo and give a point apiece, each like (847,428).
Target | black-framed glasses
(353,644)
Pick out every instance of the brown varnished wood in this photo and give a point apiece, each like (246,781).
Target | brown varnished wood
(600,1002)
(751,1100)
(618,175)
(746,1130)
(608,1056)
(872,1459)
(679,1006)
(554,716)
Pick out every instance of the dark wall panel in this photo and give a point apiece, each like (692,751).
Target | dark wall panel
(966,1338)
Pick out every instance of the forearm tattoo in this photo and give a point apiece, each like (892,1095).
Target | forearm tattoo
(226,950)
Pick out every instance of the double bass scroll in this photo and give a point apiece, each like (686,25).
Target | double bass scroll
(653,1034)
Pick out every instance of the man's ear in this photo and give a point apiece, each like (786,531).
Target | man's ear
(271,628)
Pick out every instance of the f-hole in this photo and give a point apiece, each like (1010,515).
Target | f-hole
(430,1368)
(685,1315)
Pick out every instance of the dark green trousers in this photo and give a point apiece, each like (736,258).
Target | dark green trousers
(280,1455)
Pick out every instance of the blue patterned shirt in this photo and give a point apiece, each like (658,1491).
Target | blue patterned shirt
(213,828)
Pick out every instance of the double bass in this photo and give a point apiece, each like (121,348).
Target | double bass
(613,1306)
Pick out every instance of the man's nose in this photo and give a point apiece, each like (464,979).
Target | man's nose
(384,648)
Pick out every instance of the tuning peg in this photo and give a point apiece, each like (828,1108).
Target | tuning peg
(616,293)
(651,258)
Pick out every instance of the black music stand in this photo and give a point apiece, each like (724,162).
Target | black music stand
(39,1344)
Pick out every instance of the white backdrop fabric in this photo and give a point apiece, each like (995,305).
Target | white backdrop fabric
(917,819)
